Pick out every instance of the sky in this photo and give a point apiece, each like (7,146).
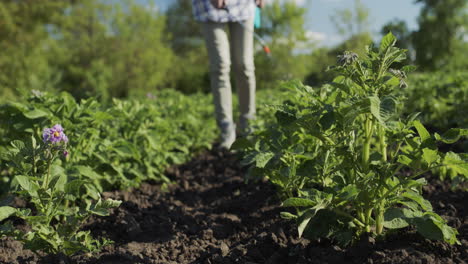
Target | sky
(320,27)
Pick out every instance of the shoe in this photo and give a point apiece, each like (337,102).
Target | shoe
(228,135)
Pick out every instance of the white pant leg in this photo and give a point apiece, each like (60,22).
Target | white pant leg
(217,44)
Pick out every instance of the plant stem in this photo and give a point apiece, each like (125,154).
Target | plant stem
(355,220)
(388,192)
(368,219)
(366,147)
(361,216)
(46,180)
(394,154)
(382,143)
(34,161)
(380,218)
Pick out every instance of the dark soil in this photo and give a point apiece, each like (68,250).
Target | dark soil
(211,216)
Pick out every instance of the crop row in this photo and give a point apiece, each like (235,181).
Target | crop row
(62,170)
(345,158)
(442,97)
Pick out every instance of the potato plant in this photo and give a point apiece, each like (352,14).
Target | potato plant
(347,160)
(117,145)
(56,214)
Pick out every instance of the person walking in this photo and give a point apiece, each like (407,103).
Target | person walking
(216,16)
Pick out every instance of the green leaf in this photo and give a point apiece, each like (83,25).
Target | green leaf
(101,208)
(412,207)
(409,68)
(58,183)
(126,149)
(452,135)
(74,187)
(428,228)
(456,163)
(263,158)
(7,229)
(6,211)
(388,107)
(404,159)
(299,202)
(394,219)
(18,106)
(345,88)
(388,41)
(285,114)
(430,156)
(375,108)
(36,113)
(425,204)
(413,117)
(422,131)
(18,144)
(432,226)
(110,203)
(327,120)
(412,211)
(87,172)
(304,220)
(288,215)
(357,108)
(349,193)
(248,159)
(26,184)
(72,247)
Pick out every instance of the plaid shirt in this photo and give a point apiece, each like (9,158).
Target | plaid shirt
(239,10)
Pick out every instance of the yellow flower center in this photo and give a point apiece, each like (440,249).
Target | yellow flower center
(56,134)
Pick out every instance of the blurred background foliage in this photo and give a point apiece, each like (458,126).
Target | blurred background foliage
(121,48)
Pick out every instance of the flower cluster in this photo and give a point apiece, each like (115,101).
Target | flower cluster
(56,139)
(54,135)
(401,75)
(347,58)
(37,93)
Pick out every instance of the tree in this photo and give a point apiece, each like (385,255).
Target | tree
(113,50)
(184,32)
(283,26)
(352,22)
(442,29)
(187,43)
(89,47)
(352,25)
(24,42)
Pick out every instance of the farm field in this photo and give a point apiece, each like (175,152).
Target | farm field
(110,152)
(203,211)
(210,216)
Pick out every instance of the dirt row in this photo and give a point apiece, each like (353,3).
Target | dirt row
(209,215)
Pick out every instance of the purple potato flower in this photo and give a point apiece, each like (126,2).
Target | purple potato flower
(150,96)
(54,135)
